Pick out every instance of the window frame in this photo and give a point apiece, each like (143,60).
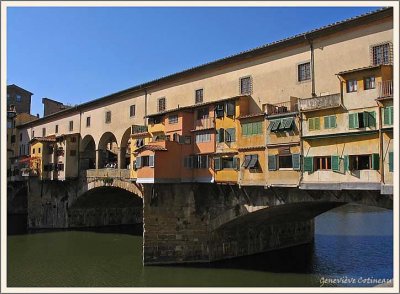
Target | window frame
(248,91)
(132,113)
(354,88)
(173,119)
(163,104)
(196,97)
(307,77)
(107,117)
(370,80)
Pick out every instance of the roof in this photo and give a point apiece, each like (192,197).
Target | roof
(51,138)
(296,39)
(19,88)
(198,105)
(252,115)
(151,148)
(359,69)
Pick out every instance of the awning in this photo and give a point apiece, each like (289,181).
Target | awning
(274,124)
(286,123)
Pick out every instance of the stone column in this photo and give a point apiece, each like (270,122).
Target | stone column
(122,157)
(99,162)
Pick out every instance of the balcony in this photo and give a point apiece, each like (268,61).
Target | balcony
(321,102)
(385,89)
(204,123)
(281,108)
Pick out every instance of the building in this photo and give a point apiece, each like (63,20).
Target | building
(51,106)
(313,111)
(20,98)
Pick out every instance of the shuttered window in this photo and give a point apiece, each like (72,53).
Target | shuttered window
(217,163)
(230,135)
(335,163)
(375,161)
(219,110)
(362,120)
(251,129)
(286,123)
(151,161)
(388,117)
(308,164)
(330,122)
(230,108)
(272,162)
(390,161)
(313,123)
(221,135)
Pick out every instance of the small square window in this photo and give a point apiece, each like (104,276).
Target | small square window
(246,86)
(382,54)
(132,110)
(161,104)
(304,72)
(18,98)
(199,96)
(173,119)
(351,86)
(369,83)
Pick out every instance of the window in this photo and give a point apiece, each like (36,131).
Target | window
(285,161)
(173,119)
(202,113)
(230,108)
(39,150)
(155,120)
(43,132)
(72,152)
(388,115)
(88,121)
(227,162)
(203,137)
(132,110)
(362,120)
(251,161)
(330,122)
(230,135)
(33,134)
(188,139)
(196,161)
(12,139)
(199,96)
(143,161)
(72,139)
(18,98)
(9,124)
(313,123)
(251,129)
(351,86)
(33,151)
(220,135)
(108,117)
(219,110)
(56,129)
(303,72)
(381,54)
(60,166)
(363,162)
(71,126)
(161,104)
(322,163)
(369,83)
(246,86)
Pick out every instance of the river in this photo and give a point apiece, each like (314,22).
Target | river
(352,243)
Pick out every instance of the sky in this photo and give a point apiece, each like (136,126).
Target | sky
(77,54)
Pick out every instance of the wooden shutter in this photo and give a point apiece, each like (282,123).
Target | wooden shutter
(386,116)
(217,163)
(375,161)
(317,123)
(327,122)
(271,162)
(232,133)
(296,161)
(230,108)
(391,161)
(332,121)
(138,162)
(245,128)
(151,160)
(335,163)
(353,120)
(371,119)
(308,164)
(346,163)
(311,124)
(391,115)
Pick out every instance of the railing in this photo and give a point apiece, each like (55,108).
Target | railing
(321,102)
(108,173)
(283,107)
(386,89)
(204,123)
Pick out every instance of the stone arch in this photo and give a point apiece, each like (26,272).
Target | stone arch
(107,149)
(87,153)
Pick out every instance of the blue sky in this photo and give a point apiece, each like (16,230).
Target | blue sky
(78,54)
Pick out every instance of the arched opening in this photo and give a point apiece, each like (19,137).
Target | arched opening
(87,153)
(107,151)
(125,149)
(107,206)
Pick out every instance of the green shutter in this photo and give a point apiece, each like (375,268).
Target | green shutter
(217,163)
(391,161)
(386,116)
(353,120)
(317,122)
(244,130)
(372,119)
(296,161)
(332,121)
(335,163)
(271,162)
(308,164)
(366,118)
(327,122)
(391,115)
(311,124)
(375,161)
(259,127)
(346,162)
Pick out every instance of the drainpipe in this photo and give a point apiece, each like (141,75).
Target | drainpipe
(312,65)
(145,107)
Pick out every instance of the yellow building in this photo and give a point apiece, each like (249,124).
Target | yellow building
(227,113)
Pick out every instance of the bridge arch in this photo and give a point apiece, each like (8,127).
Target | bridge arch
(107,150)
